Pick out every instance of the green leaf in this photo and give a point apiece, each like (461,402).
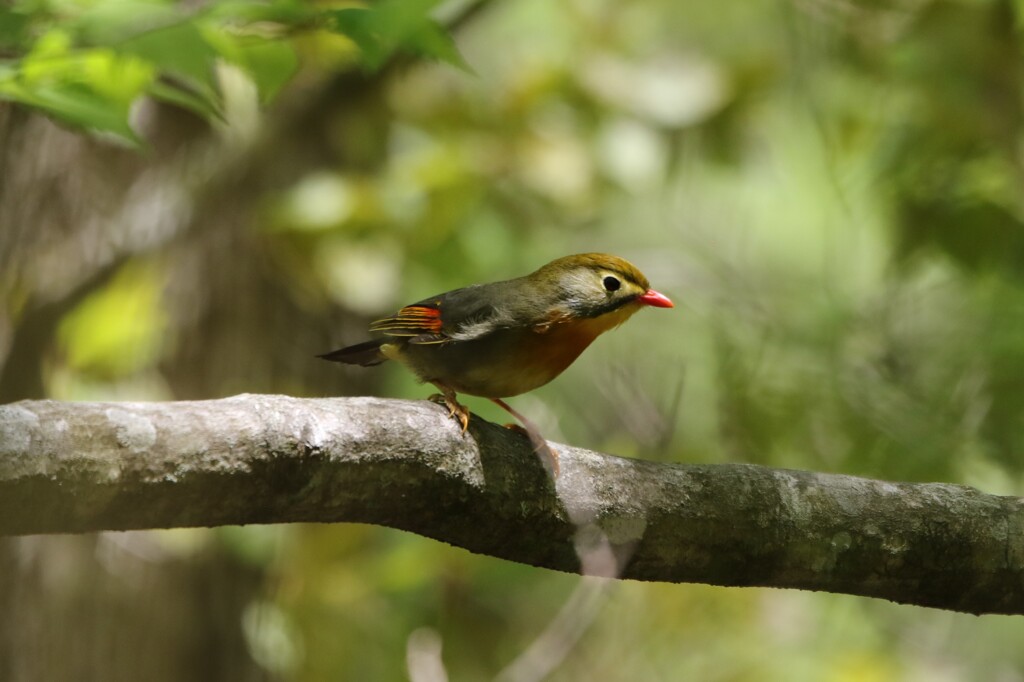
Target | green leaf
(12,28)
(110,23)
(178,50)
(357,24)
(48,57)
(288,13)
(92,89)
(395,25)
(182,51)
(433,41)
(182,97)
(74,103)
(271,64)
(119,78)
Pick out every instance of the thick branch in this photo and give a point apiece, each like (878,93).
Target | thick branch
(72,467)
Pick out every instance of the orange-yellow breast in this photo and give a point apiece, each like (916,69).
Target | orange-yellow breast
(507,362)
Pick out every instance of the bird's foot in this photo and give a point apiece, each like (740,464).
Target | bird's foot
(455,409)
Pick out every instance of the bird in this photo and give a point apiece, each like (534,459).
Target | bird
(503,339)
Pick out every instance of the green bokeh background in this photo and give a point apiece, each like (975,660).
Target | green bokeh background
(831,192)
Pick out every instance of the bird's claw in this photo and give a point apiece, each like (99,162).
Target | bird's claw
(456,410)
(462,414)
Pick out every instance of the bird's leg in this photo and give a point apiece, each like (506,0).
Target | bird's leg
(448,398)
(540,446)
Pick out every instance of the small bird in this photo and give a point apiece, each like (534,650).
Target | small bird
(505,338)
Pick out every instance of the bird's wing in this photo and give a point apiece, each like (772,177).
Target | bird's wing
(420,323)
(459,315)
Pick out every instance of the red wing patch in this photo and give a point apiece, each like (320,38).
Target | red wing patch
(413,320)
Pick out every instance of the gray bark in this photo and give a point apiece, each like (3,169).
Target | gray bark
(76,467)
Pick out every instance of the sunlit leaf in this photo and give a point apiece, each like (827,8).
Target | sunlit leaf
(77,104)
(119,328)
(47,56)
(92,89)
(121,79)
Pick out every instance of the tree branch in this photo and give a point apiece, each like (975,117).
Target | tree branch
(75,467)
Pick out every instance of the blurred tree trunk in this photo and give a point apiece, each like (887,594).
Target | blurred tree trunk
(92,607)
(72,212)
(117,606)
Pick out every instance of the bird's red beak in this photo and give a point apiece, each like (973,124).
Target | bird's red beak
(655,299)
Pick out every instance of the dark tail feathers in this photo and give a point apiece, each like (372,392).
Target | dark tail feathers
(366,354)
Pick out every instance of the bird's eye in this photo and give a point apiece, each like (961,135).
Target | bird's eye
(611,283)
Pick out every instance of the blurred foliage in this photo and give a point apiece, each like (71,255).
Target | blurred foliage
(88,62)
(831,191)
(116,331)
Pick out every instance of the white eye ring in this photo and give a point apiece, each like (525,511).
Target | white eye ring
(611,283)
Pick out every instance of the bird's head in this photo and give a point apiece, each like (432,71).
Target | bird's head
(593,284)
